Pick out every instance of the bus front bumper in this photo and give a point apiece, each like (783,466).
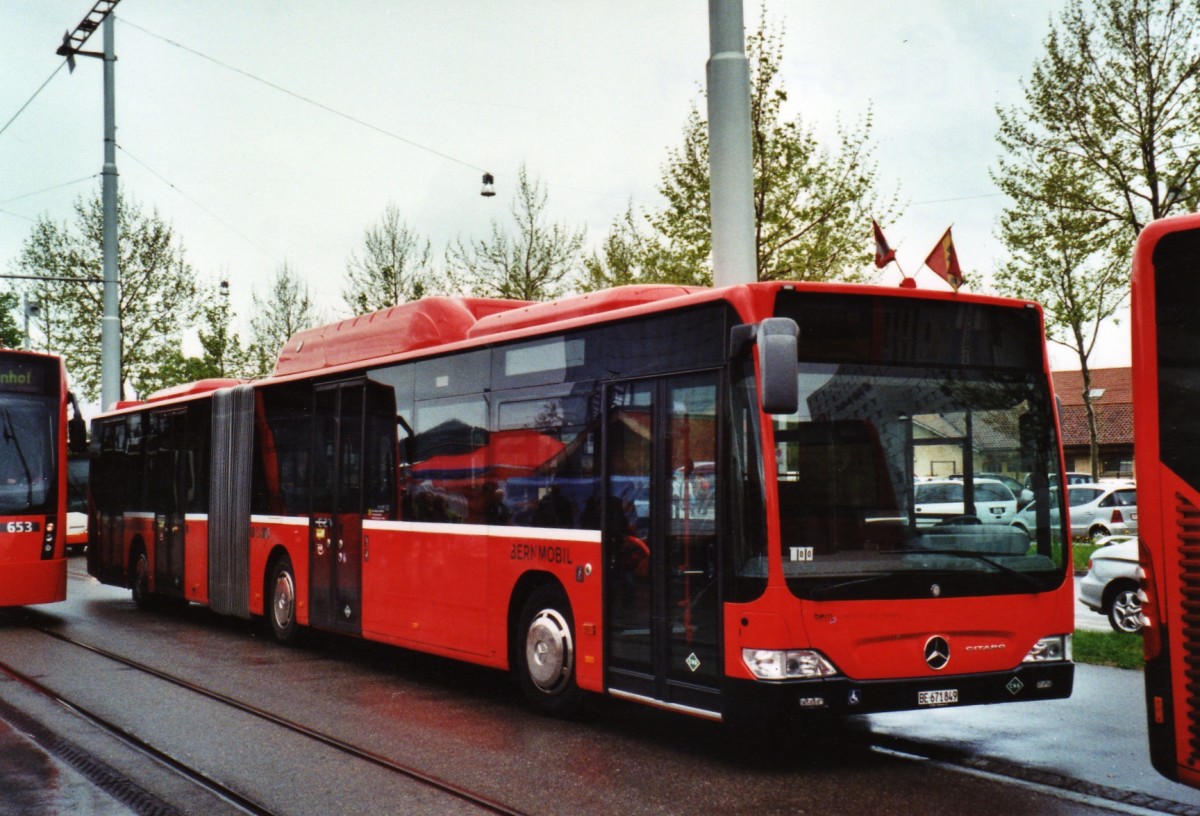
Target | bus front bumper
(749,702)
(33,582)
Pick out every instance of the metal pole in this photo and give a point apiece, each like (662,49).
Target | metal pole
(735,257)
(110,326)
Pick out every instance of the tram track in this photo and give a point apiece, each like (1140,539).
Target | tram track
(923,752)
(205,781)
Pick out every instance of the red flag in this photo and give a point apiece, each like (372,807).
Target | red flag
(944,260)
(884,254)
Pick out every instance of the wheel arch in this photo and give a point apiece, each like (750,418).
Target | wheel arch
(277,553)
(137,544)
(1112,588)
(525,586)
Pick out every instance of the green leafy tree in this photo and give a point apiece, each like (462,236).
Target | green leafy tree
(395,266)
(1116,97)
(286,309)
(628,255)
(539,262)
(811,200)
(158,293)
(11,334)
(1062,257)
(1103,142)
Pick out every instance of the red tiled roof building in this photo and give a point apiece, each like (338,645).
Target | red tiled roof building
(1112,398)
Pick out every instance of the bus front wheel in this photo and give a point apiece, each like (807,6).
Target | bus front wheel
(545,654)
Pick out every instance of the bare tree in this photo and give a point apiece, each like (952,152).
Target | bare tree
(394,267)
(539,262)
(286,309)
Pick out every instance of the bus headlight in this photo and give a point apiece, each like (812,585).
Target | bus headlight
(1056,648)
(769,664)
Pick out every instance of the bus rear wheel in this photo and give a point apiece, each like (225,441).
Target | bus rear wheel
(281,589)
(139,581)
(545,653)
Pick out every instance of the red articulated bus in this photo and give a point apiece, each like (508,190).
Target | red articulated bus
(33,477)
(698,499)
(1166,387)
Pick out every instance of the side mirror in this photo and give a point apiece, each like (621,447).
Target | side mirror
(76,428)
(778,367)
(76,435)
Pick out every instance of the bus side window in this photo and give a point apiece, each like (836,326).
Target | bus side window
(449,460)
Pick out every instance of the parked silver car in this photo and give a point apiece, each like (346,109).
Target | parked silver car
(1101,510)
(1111,584)
(1096,510)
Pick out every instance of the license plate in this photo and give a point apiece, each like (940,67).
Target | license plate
(937,698)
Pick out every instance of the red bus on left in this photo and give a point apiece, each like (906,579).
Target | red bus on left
(34,434)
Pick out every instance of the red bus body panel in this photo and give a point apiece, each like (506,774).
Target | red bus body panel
(1169,530)
(25,576)
(449,588)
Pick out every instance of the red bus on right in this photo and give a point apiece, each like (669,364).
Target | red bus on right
(1166,378)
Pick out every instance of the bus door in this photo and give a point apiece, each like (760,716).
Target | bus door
(335,526)
(660,535)
(169,484)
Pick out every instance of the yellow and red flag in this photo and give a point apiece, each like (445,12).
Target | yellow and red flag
(944,261)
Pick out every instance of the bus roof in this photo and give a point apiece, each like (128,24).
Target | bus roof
(431,321)
(437,321)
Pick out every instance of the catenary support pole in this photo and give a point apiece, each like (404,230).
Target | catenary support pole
(110,326)
(730,158)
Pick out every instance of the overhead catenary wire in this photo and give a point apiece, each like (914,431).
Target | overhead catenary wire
(305,99)
(35,96)
(50,189)
(204,209)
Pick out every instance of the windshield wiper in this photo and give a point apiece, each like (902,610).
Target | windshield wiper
(822,591)
(10,435)
(1007,570)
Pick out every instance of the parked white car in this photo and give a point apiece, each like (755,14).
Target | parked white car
(940,500)
(1111,584)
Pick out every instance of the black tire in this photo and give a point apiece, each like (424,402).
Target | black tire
(139,580)
(1098,532)
(545,654)
(1124,609)
(281,609)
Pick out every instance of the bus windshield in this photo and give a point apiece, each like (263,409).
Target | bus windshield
(902,479)
(28,435)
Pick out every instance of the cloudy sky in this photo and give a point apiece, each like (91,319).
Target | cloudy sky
(270,132)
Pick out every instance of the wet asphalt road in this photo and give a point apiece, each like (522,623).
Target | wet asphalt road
(467,724)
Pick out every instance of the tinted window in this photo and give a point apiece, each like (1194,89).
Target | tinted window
(1176,293)
(891,330)
(1122,498)
(449,461)
(985,491)
(28,453)
(283,467)
(691,339)
(939,493)
(544,464)
(1078,496)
